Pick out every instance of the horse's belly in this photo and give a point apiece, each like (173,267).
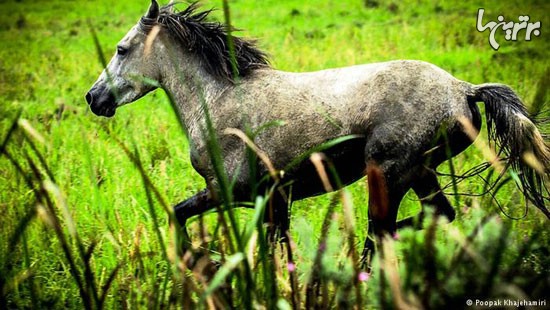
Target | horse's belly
(348,159)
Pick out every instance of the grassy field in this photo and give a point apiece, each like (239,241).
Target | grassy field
(83,228)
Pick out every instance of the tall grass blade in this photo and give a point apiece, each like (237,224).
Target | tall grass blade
(97,45)
(223,273)
(13,127)
(43,197)
(496,260)
(107,285)
(230,42)
(315,282)
(539,100)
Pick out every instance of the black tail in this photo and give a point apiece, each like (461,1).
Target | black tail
(509,125)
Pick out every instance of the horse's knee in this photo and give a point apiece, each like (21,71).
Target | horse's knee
(180,212)
(195,205)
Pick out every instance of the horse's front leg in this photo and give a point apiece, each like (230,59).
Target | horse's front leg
(277,218)
(198,204)
(195,205)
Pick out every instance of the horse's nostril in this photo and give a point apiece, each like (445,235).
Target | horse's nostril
(89,98)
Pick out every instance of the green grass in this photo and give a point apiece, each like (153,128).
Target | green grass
(47,63)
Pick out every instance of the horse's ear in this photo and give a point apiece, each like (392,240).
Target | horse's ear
(154,11)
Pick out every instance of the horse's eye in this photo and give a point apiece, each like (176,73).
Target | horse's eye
(121,51)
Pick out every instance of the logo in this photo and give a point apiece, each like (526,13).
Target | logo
(514,31)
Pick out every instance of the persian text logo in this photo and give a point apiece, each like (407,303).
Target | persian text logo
(511,28)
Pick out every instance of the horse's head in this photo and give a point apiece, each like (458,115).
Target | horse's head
(132,72)
(162,41)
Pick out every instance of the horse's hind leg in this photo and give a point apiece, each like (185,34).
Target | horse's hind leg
(452,143)
(428,190)
(385,194)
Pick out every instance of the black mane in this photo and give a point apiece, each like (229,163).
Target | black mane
(209,41)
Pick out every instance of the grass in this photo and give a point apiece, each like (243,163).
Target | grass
(84,227)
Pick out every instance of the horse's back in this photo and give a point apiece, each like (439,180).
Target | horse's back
(401,83)
(405,97)
(404,93)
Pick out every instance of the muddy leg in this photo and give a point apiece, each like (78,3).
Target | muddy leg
(197,260)
(198,204)
(384,200)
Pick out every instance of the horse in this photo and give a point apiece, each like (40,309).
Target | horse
(395,121)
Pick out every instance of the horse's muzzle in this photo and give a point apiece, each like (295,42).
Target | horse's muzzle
(101,101)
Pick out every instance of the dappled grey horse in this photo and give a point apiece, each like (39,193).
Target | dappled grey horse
(395,121)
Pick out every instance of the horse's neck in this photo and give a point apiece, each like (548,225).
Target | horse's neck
(191,88)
